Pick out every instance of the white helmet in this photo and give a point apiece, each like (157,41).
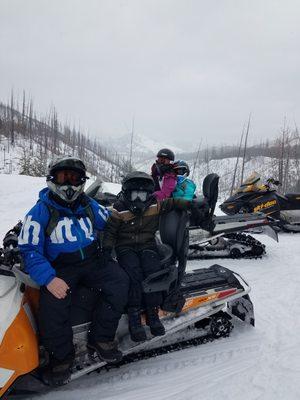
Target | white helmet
(66,177)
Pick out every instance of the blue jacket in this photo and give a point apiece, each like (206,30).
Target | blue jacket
(184,189)
(74,231)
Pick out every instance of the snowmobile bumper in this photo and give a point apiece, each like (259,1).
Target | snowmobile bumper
(242,308)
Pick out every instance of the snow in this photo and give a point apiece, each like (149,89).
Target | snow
(254,363)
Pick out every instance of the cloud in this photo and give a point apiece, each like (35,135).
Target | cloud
(185,69)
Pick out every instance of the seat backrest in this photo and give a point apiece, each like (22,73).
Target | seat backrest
(93,189)
(211,190)
(173,228)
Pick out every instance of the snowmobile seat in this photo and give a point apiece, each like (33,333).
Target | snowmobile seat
(174,236)
(293,197)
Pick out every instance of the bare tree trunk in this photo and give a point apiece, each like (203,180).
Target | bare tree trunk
(245,149)
(237,162)
(12,122)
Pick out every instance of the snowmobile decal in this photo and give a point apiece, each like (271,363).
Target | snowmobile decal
(262,206)
(207,298)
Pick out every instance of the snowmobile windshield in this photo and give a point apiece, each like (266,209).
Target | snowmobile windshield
(68,176)
(138,194)
(251,184)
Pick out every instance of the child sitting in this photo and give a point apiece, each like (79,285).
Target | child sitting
(185,188)
(131,231)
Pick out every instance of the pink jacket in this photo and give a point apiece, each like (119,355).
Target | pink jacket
(168,184)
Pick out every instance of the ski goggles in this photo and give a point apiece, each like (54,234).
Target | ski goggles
(68,176)
(138,194)
(180,171)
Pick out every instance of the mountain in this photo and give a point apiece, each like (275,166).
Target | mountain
(143,148)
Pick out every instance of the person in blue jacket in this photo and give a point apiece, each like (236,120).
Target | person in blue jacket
(185,187)
(59,246)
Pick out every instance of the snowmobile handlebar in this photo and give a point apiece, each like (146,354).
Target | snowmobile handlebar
(273,182)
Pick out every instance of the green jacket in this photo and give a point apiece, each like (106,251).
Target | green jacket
(124,229)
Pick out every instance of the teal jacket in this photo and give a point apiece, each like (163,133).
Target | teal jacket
(185,188)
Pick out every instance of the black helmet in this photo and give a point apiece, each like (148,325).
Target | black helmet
(181,168)
(137,189)
(69,186)
(167,153)
(138,180)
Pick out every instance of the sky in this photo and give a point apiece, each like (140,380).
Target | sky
(186,70)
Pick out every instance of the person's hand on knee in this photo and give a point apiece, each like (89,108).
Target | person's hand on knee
(58,288)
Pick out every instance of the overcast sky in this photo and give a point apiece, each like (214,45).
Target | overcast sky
(185,69)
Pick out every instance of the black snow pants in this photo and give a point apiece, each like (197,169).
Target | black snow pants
(139,264)
(54,314)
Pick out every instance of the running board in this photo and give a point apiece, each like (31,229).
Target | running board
(187,319)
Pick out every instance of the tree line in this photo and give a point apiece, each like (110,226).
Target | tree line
(40,138)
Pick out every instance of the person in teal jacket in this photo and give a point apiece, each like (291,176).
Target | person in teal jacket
(185,187)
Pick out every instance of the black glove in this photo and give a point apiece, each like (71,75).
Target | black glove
(10,240)
(201,216)
(106,255)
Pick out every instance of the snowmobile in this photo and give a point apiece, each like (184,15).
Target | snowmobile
(225,240)
(226,237)
(253,196)
(203,304)
(106,196)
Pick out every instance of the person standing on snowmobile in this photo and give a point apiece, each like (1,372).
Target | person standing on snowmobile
(59,247)
(163,175)
(131,231)
(185,187)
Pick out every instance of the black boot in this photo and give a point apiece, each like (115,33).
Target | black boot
(152,319)
(58,372)
(136,329)
(107,351)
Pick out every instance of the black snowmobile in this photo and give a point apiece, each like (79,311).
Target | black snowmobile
(253,196)
(225,237)
(198,305)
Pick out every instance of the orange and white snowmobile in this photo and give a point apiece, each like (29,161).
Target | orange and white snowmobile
(202,303)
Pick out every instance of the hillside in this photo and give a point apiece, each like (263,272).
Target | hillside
(28,143)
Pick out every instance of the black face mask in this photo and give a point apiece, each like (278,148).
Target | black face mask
(137,207)
(163,168)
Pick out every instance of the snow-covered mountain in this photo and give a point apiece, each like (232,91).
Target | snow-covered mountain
(143,148)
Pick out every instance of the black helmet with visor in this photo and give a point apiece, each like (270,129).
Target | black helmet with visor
(137,189)
(66,177)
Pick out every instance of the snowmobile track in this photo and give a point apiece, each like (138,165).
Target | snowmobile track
(206,252)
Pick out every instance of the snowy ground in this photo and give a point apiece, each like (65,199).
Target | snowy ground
(254,363)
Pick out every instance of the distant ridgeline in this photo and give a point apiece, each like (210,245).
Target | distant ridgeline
(28,142)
